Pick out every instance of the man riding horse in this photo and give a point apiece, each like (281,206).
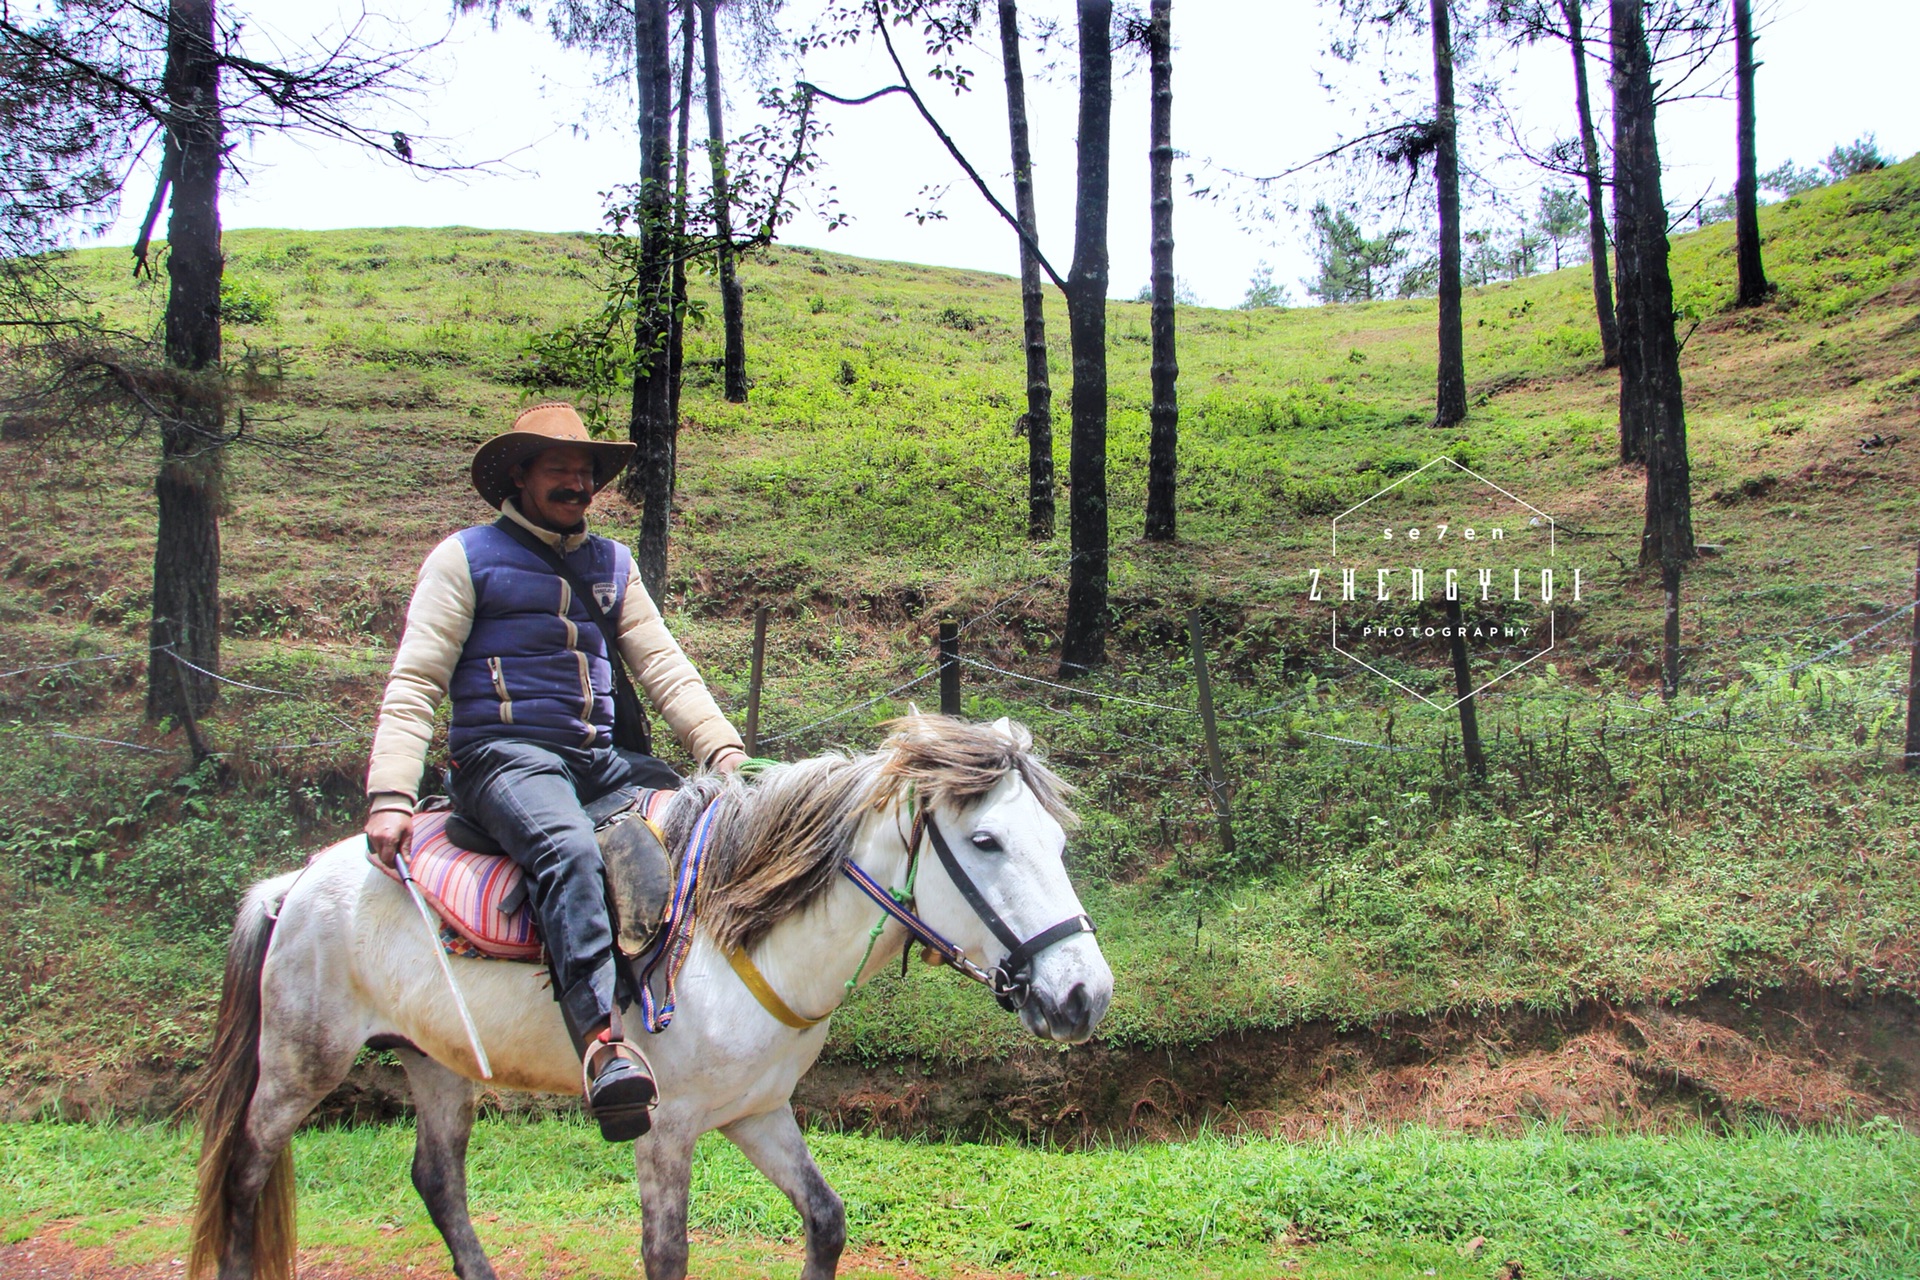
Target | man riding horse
(496,622)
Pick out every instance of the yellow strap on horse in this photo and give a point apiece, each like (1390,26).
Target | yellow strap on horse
(763,992)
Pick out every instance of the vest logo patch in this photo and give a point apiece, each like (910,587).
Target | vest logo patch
(604,594)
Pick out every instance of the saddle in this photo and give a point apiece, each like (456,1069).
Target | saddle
(481,894)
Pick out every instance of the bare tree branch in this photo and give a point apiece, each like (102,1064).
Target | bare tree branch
(953,149)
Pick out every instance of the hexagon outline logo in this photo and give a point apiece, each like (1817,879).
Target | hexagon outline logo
(1443,706)
(1552,527)
(1541,517)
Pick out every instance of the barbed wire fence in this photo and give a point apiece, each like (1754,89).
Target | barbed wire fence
(1312,713)
(1599,715)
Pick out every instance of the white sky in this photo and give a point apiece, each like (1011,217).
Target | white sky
(1246,96)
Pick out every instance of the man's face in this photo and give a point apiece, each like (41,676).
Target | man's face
(556,487)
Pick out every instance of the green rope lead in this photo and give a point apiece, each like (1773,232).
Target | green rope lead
(902,896)
(873,938)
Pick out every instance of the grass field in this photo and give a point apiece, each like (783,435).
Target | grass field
(1748,838)
(552,1200)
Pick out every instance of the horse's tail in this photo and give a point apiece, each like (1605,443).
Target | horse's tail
(224,1092)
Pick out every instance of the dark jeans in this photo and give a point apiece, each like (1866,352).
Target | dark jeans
(530,796)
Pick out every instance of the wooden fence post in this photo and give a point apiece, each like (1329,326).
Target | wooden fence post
(1911,759)
(1216,766)
(949,668)
(1670,630)
(1463,685)
(753,679)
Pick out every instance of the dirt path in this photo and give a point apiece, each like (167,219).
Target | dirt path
(47,1255)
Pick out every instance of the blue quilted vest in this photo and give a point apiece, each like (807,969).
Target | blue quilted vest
(535,665)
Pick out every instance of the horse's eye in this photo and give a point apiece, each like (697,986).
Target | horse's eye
(985,842)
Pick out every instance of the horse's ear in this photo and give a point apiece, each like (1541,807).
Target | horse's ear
(1015,733)
(913,709)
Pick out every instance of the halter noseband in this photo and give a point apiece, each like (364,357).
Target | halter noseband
(1011,979)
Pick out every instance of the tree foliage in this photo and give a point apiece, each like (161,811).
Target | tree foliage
(1787,179)
(66,139)
(1351,265)
(91,87)
(1262,293)
(1562,218)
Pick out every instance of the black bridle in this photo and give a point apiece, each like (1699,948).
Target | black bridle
(1011,979)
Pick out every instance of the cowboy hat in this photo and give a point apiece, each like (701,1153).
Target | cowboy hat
(543,427)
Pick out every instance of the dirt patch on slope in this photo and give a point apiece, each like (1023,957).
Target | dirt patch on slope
(1804,1062)
(1808,1059)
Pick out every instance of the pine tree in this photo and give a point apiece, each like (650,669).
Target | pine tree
(1038,422)
(1746,196)
(1650,392)
(1164,410)
(732,298)
(1450,393)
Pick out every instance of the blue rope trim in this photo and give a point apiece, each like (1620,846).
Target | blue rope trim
(677,937)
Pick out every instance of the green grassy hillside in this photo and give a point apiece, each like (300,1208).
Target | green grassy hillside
(1751,835)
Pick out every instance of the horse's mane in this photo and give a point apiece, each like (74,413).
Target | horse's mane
(778,840)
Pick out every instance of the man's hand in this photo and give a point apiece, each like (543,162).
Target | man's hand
(389,832)
(729,760)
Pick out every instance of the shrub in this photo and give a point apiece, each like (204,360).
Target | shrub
(1850,159)
(959,318)
(246,301)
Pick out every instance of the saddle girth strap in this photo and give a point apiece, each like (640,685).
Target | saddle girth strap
(756,982)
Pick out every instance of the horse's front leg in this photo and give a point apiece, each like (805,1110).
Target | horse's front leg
(443,1121)
(663,1163)
(776,1146)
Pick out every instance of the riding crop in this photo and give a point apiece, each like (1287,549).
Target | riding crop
(446,970)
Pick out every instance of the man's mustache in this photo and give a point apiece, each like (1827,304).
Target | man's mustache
(569,495)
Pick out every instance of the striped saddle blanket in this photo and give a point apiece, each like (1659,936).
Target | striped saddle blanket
(479,896)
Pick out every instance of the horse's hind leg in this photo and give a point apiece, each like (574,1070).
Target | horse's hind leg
(293,1081)
(778,1149)
(443,1118)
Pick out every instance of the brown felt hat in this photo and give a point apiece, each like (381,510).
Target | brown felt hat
(538,428)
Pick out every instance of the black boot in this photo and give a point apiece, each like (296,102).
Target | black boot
(620,1090)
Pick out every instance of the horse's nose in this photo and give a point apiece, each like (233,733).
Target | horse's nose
(1072,1020)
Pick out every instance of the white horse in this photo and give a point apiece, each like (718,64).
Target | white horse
(330,959)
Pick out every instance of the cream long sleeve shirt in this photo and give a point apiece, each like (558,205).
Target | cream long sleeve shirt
(439,618)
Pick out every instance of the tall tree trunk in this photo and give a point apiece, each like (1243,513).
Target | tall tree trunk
(683,125)
(1650,368)
(1596,198)
(186,557)
(1039,419)
(652,425)
(1163,446)
(1746,194)
(732,303)
(1450,397)
(1084,641)
(1635,407)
